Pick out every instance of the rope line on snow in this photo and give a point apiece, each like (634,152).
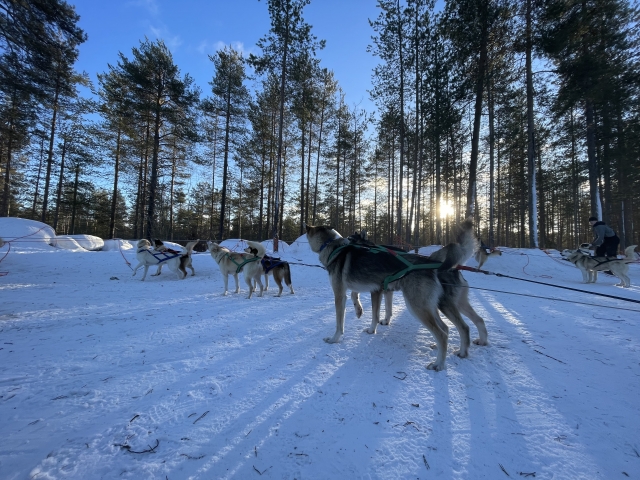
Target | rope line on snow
(471,269)
(9,242)
(120,249)
(552,298)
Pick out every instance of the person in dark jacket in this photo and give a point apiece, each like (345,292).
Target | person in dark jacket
(606,241)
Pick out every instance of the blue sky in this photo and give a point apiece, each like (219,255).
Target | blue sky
(193,29)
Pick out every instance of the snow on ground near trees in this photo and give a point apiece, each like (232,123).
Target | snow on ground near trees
(105,376)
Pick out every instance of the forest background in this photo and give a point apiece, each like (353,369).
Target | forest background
(521,113)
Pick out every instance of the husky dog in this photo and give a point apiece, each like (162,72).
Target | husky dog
(230,263)
(590,266)
(361,269)
(253,270)
(361,238)
(161,247)
(482,256)
(147,257)
(279,269)
(456,292)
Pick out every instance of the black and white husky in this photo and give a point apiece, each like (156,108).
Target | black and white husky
(361,269)
(280,270)
(148,257)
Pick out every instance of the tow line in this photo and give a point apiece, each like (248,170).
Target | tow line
(471,269)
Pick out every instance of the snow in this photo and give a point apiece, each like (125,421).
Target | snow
(87,242)
(96,365)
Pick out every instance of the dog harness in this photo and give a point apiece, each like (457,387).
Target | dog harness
(240,265)
(161,256)
(269,263)
(398,254)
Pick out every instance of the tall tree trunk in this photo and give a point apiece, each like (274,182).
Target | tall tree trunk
(225,165)
(114,198)
(473,161)
(401,92)
(52,134)
(283,76)
(302,169)
(315,194)
(60,183)
(492,141)
(74,206)
(6,194)
(531,164)
(153,179)
(35,194)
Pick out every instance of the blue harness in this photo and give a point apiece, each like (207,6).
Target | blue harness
(269,263)
(160,256)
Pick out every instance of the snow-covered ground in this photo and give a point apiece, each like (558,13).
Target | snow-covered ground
(105,376)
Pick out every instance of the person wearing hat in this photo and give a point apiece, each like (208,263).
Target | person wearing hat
(606,241)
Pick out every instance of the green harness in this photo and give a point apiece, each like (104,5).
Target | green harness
(240,265)
(397,254)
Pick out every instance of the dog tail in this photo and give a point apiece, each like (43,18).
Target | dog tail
(190,246)
(458,253)
(630,254)
(259,247)
(287,275)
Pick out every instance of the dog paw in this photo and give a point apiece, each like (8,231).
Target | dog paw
(331,340)
(385,321)
(482,343)
(435,366)
(370,330)
(225,294)
(461,354)
(359,311)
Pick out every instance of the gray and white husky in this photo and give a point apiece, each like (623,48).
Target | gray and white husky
(456,293)
(148,257)
(361,269)
(590,266)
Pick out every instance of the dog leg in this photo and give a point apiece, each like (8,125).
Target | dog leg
(428,319)
(467,309)
(287,278)
(388,307)
(453,314)
(355,298)
(279,283)
(376,301)
(146,269)
(424,306)
(193,272)
(340,297)
(158,271)
(249,282)
(226,283)
(235,277)
(266,281)
(585,276)
(625,281)
(135,270)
